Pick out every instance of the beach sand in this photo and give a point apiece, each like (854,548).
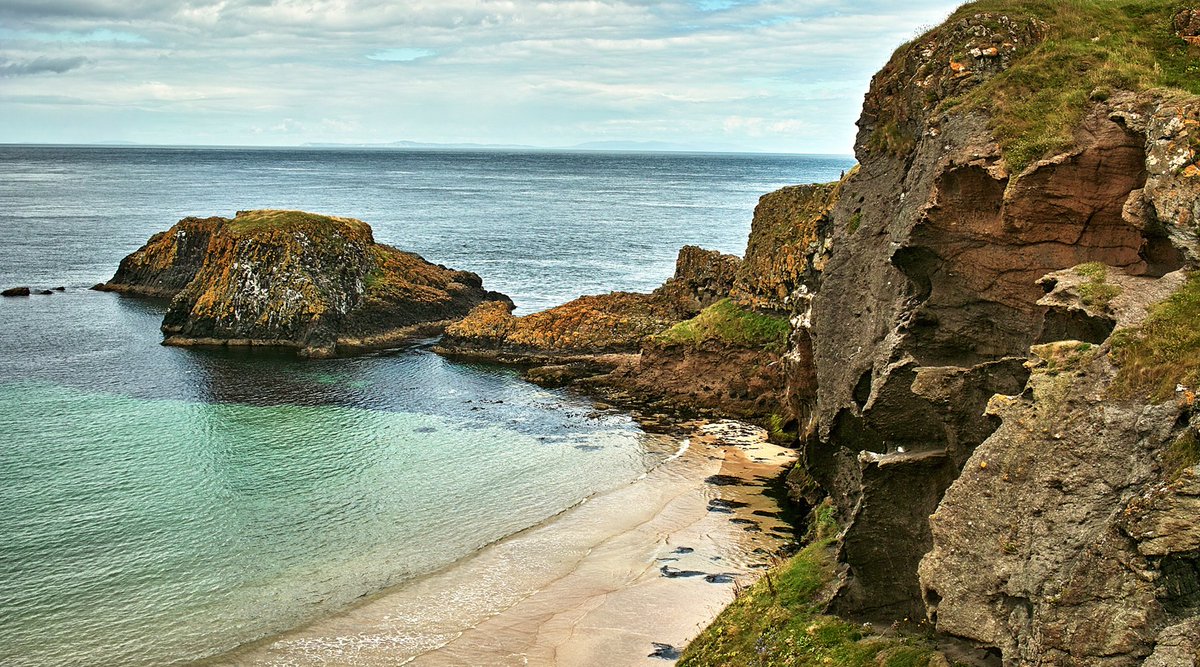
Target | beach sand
(586,587)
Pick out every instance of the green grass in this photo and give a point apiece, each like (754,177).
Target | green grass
(1096,291)
(1165,350)
(776,622)
(1093,47)
(727,322)
(855,221)
(249,222)
(1181,455)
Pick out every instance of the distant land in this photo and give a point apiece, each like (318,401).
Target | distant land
(648,146)
(630,146)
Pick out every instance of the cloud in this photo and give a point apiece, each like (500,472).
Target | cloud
(40,65)
(769,74)
(400,55)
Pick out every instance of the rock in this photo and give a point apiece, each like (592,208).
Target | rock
(60,289)
(590,327)
(1187,25)
(664,651)
(15,291)
(788,244)
(673,573)
(559,375)
(44,292)
(316,283)
(724,480)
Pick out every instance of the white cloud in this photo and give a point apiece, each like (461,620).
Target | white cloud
(772,74)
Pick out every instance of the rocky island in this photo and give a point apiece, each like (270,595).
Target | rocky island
(319,284)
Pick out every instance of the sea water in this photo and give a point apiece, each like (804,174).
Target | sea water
(159,505)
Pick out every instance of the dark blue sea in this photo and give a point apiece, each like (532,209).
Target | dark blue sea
(160,505)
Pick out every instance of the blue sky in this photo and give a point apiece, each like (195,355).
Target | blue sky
(707,74)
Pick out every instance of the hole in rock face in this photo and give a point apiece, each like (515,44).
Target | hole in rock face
(1075,324)
(1179,582)
(862,390)
(1161,256)
(918,264)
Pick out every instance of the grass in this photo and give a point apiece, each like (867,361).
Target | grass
(1092,47)
(1096,291)
(1181,455)
(250,222)
(1164,351)
(855,221)
(776,622)
(727,322)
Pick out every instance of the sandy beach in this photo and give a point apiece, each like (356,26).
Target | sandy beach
(628,573)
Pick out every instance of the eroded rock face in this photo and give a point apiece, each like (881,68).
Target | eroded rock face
(1063,541)
(929,299)
(730,380)
(286,278)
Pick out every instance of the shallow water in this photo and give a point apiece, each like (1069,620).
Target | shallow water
(161,504)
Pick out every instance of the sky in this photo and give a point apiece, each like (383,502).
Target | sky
(769,75)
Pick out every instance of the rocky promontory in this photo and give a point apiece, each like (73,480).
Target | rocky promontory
(319,284)
(691,345)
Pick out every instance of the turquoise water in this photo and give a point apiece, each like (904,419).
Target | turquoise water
(160,505)
(142,531)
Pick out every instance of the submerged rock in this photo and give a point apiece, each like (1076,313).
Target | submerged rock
(15,291)
(320,284)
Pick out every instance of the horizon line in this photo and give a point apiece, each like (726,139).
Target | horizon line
(421,146)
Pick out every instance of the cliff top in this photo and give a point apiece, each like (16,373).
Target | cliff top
(268,220)
(1036,66)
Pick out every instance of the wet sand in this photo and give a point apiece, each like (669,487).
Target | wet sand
(599,584)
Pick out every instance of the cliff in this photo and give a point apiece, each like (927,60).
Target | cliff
(992,365)
(710,339)
(316,283)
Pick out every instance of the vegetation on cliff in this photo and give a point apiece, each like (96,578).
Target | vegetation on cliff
(731,324)
(1089,49)
(778,621)
(1164,351)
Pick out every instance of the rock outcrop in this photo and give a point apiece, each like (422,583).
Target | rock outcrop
(941,261)
(686,346)
(591,327)
(316,283)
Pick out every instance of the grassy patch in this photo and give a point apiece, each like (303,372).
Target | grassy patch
(1097,291)
(892,138)
(1092,48)
(1063,356)
(775,622)
(250,222)
(855,221)
(727,322)
(1165,350)
(1181,455)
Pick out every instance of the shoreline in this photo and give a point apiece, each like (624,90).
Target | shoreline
(610,580)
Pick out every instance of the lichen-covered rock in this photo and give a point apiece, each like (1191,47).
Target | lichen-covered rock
(288,278)
(588,326)
(788,244)
(602,324)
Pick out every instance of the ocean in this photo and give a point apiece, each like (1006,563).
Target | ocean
(162,505)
